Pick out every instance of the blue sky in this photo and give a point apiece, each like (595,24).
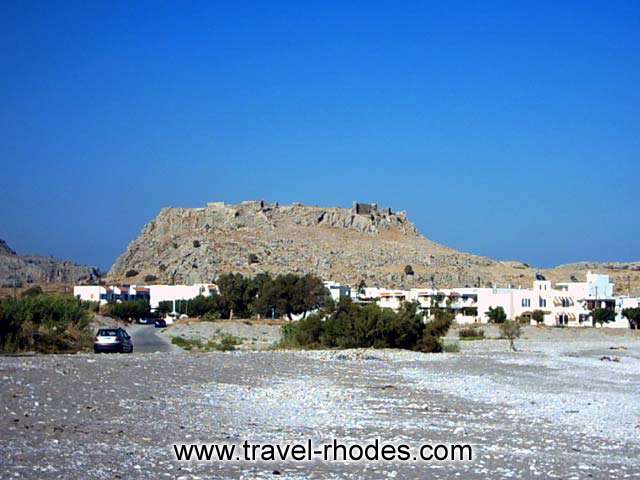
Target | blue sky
(507,129)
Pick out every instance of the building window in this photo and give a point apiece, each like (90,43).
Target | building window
(526,302)
(543,302)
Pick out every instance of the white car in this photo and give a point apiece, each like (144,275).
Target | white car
(112,340)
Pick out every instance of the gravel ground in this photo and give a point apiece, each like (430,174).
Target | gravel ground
(254,334)
(552,410)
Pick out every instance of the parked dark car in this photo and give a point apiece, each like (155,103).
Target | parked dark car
(112,340)
(160,323)
(145,321)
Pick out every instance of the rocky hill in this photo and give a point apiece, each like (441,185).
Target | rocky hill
(34,269)
(346,245)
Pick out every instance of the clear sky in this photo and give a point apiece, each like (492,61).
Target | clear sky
(507,129)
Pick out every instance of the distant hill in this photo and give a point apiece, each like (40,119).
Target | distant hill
(363,243)
(34,269)
(5,249)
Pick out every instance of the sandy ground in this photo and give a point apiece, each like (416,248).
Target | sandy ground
(552,410)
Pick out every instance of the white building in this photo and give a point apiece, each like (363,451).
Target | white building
(154,293)
(392,298)
(568,304)
(621,304)
(337,290)
(170,293)
(91,293)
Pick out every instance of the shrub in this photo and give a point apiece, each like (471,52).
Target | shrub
(538,317)
(440,324)
(408,270)
(150,278)
(228,343)
(308,331)
(510,330)
(32,291)
(451,348)
(429,344)
(351,325)
(46,323)
(496,315)
(253,258)
(472,332)
(131,273)
(288,333)
(196,243)
(186,343)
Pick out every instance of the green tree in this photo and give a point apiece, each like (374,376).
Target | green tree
(201,305)
(538,317)
(496,315)
(603,315)
(130,310)
(237,293)
(289,295)
(510,330)
(633,316)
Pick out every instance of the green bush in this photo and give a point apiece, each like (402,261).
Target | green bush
(131,273)
(472,332)
(351,325)
(440,324)
(186,343)
(32,291)
(226,344)
(429,344)
(496,315)
(538,317)
(308,331)
(45,323)
(288,333)
(451,348)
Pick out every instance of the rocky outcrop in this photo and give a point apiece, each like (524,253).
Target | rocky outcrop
(34,269)
(198,244)
(363,243)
